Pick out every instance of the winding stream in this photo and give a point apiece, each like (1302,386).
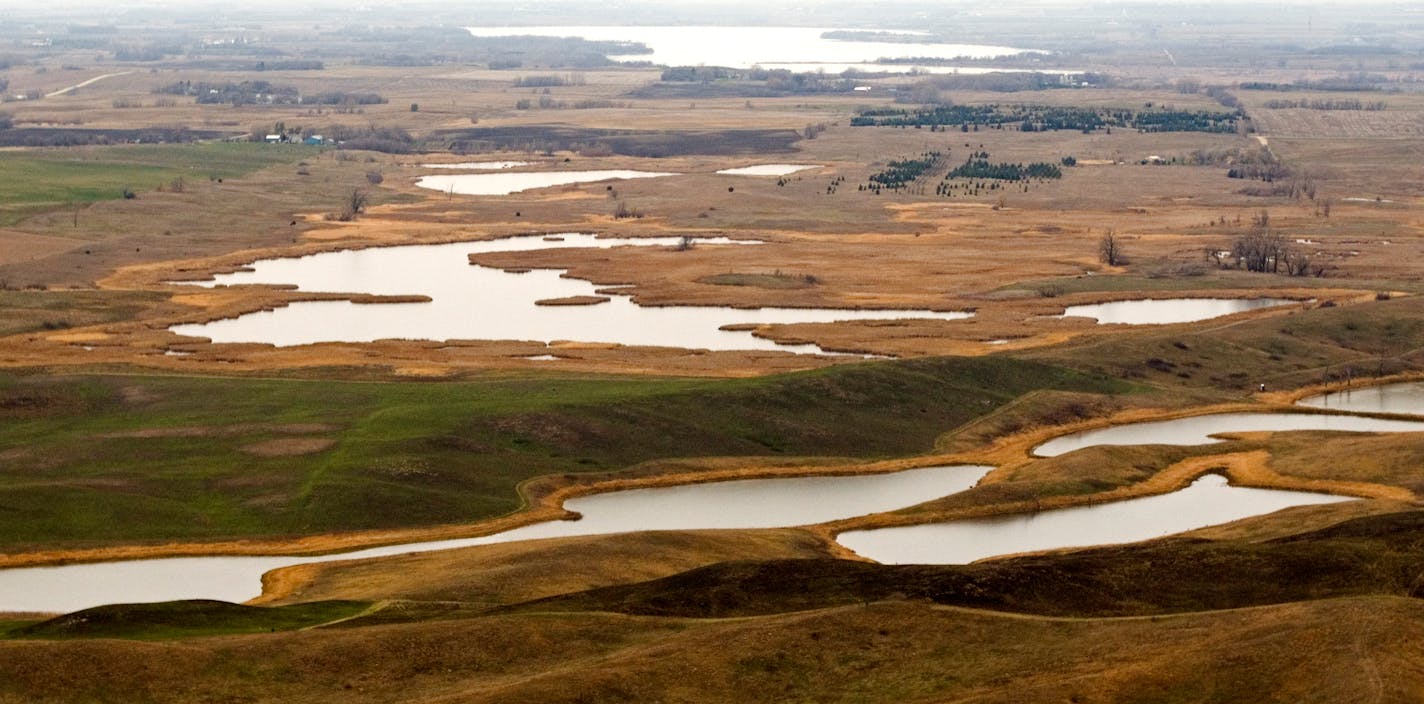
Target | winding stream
(1208,501)
(749,503)
(1198,430)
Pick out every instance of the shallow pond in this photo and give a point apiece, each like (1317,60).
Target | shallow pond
(1197,430)
(1207,501)
(482,303)
(750,503)
(768,169)
(505,183)
(1406,398)
(745,47)
(1168,310)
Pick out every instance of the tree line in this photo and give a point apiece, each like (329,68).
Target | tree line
(1042,118)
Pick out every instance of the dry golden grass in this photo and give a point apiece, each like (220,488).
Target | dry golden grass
(496,575)
(1327,651)
(865,250)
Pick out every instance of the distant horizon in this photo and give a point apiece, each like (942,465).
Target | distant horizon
(114,8)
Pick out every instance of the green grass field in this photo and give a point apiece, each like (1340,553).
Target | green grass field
(44,179)
(96,460)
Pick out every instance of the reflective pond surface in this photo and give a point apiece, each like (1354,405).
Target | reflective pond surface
(507,182)
(1405,398)
(745,47)
(1197,430)
(1207,501)
(1168,310)
(750,503)
(481,303)
(768,169)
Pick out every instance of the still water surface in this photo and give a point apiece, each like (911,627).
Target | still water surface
(745,47)
(749,503)
(768,169)
(482,303)
(1168,310)
(1406,398)
(1207,501)
(1197,430)
(505,183)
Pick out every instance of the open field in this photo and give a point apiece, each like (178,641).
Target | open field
(183,452)
(902,650)
(120,438)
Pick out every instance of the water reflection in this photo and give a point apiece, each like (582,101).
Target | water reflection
(1209,500)
(1405,398)
(482,303)
(1197,430)
(1168,310)
(751,503)
(505,183)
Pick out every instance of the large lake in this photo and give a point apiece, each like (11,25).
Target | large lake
(1198,430)
(750,503)
(481,303)
(1209,500)
(745,47)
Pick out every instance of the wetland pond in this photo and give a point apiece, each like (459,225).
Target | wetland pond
(504,183)
(1405,398)
(1197,430)
(482,303)
(768,169)
(1208,501)
(1167,310)
(748,503)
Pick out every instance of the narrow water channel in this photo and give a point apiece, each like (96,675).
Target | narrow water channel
(750,503)
(1198,430)
(1208,501)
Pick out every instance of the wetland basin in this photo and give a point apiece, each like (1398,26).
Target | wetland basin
(1165,311)
(1208,501)
(1404,398)
(481,303)
(745,47)
(507,182)
(1197,430)
(746,503)
(768,169)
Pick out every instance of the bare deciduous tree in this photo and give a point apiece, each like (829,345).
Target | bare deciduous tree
(355,205)
(1110,249)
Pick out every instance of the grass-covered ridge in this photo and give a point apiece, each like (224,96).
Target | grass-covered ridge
(1370,555)
(96,460)
(187,619)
